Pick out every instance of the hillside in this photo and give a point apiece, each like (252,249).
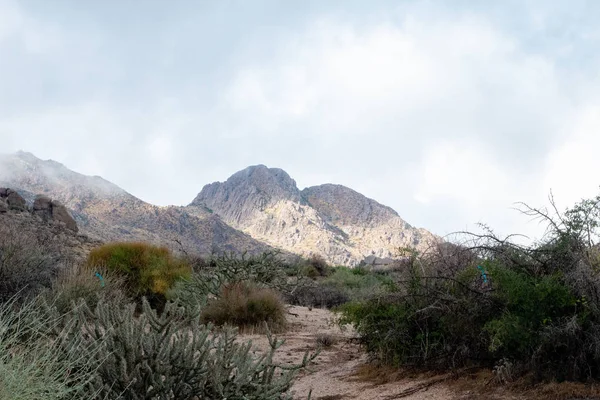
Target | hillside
(106,212)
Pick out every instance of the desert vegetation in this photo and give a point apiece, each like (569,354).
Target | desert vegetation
(523,311)
(136,321)
(94,333)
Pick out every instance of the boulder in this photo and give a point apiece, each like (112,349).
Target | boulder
(49,209)
(42,206)
(60,213)
(13,200)
(3,206)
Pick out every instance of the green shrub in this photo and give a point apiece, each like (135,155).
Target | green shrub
(358,283)
(246,306)
(530,303)
(148,270)
(341,286)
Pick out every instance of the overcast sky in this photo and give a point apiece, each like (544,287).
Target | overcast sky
(447,111)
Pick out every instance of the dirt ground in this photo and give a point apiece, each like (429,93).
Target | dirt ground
(341,371)
(334,373)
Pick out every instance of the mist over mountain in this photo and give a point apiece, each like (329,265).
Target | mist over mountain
(106,212)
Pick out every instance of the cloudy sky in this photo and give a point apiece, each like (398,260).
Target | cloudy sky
(448,111)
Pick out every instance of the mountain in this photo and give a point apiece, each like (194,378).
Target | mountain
(256,209)
(331,220)
(104,211)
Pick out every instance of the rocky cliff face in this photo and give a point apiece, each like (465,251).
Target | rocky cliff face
(340,224)
(106,212)
(372,228)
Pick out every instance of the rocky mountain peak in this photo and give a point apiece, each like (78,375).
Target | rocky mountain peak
(272,182)
(332,220)
(250,190)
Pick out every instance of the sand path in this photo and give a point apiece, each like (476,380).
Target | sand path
(334,374)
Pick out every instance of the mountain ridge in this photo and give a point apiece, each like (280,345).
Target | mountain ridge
(255,209)
(330,219)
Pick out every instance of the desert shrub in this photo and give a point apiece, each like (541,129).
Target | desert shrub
(358,283)
(341,286)
(317,295)
(149,270)
(170,356)
(267,270)
(310,272)
(325,340)
(491,302)
(77,283)
(246,306)
(29,261)
(315,266)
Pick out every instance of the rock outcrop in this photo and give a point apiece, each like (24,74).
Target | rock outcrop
(49,209)
(43,207)
(12,200)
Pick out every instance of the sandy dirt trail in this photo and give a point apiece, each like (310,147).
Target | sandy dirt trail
(333,376)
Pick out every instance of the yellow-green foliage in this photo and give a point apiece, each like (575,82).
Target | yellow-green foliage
(246,306)
(147,268)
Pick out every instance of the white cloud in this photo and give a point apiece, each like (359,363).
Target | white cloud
(447,115)
(34,36)
(464,172)
(573,167)
(454,108)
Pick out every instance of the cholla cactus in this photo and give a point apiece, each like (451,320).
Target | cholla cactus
(170,356)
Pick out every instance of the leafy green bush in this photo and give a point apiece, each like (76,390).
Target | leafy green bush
(149,270)
(246,306)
